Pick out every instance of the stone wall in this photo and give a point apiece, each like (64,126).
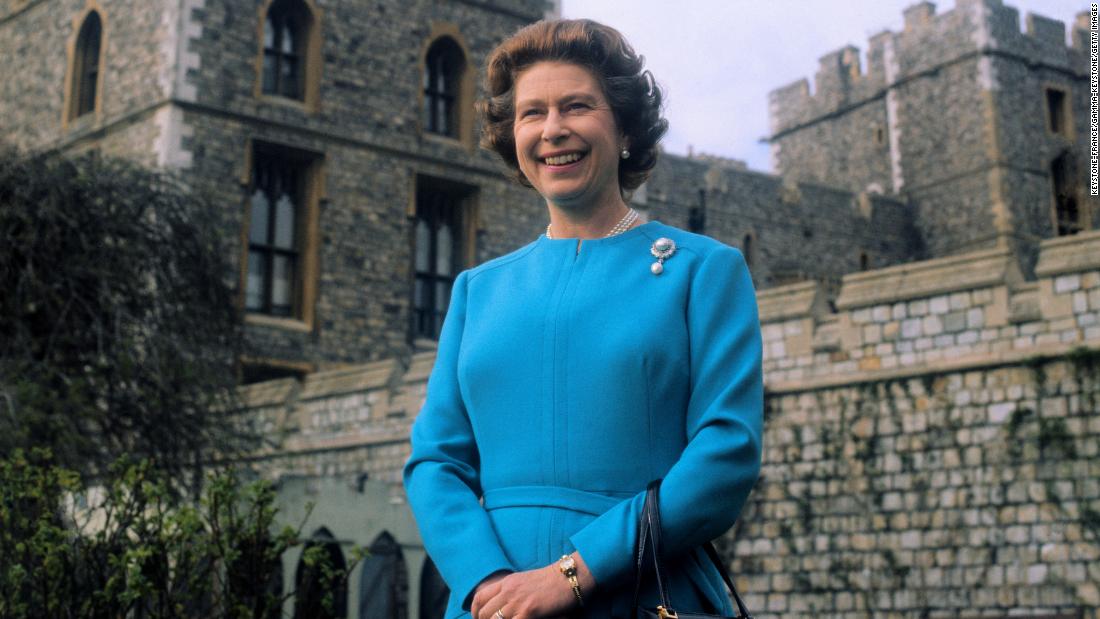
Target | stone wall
(950,113)
(179,92)
(799,230)
(932,448)
(35,36)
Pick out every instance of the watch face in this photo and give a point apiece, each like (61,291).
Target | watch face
(567,564)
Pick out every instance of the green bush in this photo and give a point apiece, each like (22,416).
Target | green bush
(132,548)
(119,329)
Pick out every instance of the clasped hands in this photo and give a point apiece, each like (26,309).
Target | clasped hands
(533,594)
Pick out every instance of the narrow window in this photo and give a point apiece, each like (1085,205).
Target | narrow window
(1056,112)
(439,253)
(433,592)
(445,65)
(86,69)
(383,580)
(746,249)
(697,216)
(273,244)
(864,261)
(285,30)
(312,584)
(1063,175)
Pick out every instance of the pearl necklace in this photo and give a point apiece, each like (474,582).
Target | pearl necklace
(619,228)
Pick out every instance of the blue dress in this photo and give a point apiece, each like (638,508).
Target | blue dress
(564,382)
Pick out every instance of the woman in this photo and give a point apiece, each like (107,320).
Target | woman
(574,370)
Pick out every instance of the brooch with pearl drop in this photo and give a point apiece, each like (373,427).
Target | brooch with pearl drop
(661,250)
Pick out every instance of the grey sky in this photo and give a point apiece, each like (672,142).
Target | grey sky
(718,59)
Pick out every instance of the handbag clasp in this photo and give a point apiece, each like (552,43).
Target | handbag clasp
(664,613)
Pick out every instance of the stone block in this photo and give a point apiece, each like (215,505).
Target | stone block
(954,321)
(1051,303)
(911,328)
(1080,302)
(1067,283)
(939,304)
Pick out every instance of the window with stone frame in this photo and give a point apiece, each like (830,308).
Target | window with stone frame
(747,249)
(440,250)
(444,67)
(277,206)
(313,584)
(383,580)
(86,61)
(286,29)
(434,592)
(697,215)
(1057,105)
(1067,212)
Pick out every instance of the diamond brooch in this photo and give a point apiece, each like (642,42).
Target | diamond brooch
(661,250)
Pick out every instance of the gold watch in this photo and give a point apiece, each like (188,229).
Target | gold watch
(568,569)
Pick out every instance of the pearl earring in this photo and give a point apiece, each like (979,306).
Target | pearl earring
(624,153)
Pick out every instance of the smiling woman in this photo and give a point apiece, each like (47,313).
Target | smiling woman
(567,141)
(566,380)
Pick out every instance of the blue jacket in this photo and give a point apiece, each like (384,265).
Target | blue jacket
(566,381)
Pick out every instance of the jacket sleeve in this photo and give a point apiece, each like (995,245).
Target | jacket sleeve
(703,492)
(441,476)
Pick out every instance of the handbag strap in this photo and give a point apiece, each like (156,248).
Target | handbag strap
(649,533)
(649,529)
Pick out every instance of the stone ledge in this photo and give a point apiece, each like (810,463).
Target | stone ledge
(355,379)
(268,393)
(792,301)
(905,282)
(298,446)
(1069,254)
(969,362)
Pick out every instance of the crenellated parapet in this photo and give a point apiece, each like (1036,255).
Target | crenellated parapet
(966,310)
(927,41)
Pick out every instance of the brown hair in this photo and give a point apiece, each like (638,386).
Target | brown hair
(632,93)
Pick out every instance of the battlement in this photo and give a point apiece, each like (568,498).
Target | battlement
(927,41)
(934,313)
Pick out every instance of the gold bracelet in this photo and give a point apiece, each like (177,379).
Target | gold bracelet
(568,568)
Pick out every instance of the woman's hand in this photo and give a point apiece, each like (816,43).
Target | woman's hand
(534,594)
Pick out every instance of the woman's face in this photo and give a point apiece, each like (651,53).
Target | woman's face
(567,141)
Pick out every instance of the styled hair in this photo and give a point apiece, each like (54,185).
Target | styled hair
(633,94)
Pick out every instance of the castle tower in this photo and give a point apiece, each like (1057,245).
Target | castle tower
(339,136)
(982,128)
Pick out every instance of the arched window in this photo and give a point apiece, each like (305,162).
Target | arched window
(311,585)
(85,72)
(286,30)
(433,592)
(383,582)
(747,249)
(443,73)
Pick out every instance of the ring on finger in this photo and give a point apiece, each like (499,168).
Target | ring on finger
(499,614)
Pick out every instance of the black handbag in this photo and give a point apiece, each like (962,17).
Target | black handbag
(649,534)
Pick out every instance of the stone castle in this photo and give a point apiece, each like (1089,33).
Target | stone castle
(927,260)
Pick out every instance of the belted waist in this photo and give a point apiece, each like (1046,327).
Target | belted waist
(561,497)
